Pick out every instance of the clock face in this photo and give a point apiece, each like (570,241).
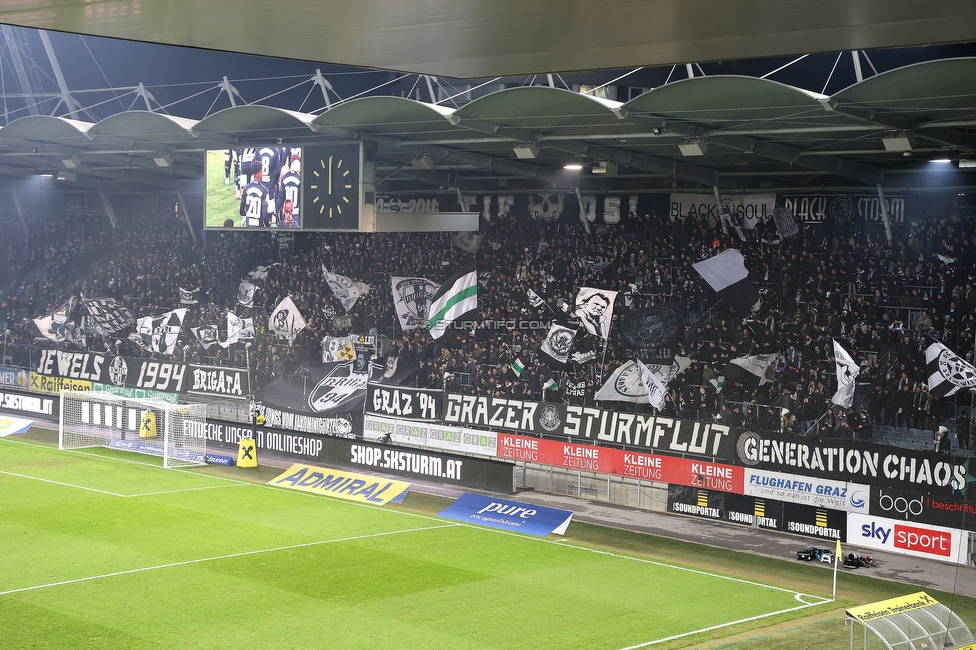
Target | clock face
(332,187)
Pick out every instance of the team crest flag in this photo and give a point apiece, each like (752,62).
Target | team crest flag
(456,297)
(557,344)
(347,290)
(847,371)
(760,365)
(948,373)
(207,335)
(625,385)
(245,294)
(160,333)
(286,320)
(411,298)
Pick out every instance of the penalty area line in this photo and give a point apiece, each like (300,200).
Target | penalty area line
(219,557)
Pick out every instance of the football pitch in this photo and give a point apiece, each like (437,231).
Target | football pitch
(105,549)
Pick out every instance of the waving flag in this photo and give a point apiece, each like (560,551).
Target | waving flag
(347,290)
(455,298)
(847,371)
(948,373)
(160,333)
(286,320)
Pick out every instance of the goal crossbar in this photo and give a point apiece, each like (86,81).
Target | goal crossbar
(176,432)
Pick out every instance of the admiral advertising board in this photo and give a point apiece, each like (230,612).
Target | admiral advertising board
(862,463)
(607,460)
(462,471)
(431,436)
(837,495)
(144,374)
(918,540)
(641,431)
(920,508)
(405,403)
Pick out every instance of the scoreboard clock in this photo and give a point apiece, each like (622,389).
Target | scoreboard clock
(332,188)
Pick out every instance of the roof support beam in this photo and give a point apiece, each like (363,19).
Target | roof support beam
(832,165)
(901,122)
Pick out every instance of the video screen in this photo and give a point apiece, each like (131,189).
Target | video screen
(254,188)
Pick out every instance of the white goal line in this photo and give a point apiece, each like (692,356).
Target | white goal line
(116,494)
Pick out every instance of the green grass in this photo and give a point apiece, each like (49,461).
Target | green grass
(104,549)
(220,201)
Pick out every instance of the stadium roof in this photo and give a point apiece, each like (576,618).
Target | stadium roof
(738,133)
(472,38)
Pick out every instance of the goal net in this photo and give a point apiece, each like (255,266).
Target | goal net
(177,432)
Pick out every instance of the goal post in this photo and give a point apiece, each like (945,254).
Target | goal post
(177,432)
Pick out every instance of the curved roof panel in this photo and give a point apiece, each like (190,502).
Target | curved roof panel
(541,108)
(387,115)
(44,128)
(254,121)
(934,90)
(144,126)
(729,100)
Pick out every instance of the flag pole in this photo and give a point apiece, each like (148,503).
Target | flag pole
(837,553)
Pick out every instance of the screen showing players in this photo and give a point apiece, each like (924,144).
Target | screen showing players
(254,188)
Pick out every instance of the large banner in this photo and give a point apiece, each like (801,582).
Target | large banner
(842,208)
(406,403)
(641,431)
(607,460)
(861,462)
(111,317)
(748,209)
(515,516)
(148,374)
(327,390)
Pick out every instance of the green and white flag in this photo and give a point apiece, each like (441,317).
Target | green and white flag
(551,384)
(518,367)
(456,297)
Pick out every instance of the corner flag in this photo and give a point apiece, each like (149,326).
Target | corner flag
(456,297)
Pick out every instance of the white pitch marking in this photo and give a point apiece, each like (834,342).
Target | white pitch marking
(47,480)
(219,557)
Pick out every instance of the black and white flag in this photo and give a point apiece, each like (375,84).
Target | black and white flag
(189,296)
(468,241)
(245,294)
(651,333)
(110,316)
(60,327)
(411,298)
(535,299)
(247,329)
(948,373)
(347,290)
(286,321)
(206,334)
(557,344)
(234,328)
(847,371)
(594,309)
(160,333)
(625,384)
(785,224)
(339,348)
(760,365)
(727,274)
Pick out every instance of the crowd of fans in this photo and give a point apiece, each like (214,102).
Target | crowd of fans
(883,301)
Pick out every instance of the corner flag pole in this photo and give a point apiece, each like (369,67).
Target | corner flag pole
(837,554)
